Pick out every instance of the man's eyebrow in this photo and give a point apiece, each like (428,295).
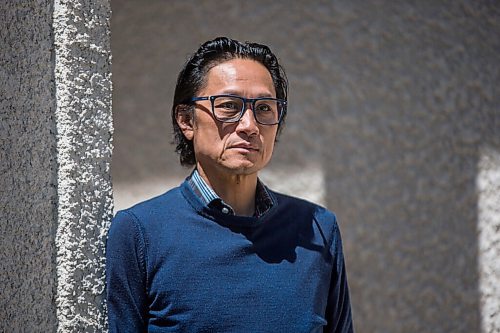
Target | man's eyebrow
(238,93)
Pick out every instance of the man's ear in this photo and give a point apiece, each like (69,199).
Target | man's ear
(184,117)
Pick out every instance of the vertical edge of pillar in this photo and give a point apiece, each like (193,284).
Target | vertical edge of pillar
(488,187)
(84,147)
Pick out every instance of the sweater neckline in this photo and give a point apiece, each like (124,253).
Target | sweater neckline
(219,217)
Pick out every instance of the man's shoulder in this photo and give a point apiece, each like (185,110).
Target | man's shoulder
(300,205)
(167,197)
(159,204)
(307,215)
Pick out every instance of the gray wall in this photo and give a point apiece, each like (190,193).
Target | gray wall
(405,163)
(27,168)
(55,152)
(393,119)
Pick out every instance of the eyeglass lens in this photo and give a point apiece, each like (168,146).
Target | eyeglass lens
(229,108)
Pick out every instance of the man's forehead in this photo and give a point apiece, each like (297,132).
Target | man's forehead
(239,67)
(236,74)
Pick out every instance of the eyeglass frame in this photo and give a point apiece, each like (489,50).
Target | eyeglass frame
(252,102)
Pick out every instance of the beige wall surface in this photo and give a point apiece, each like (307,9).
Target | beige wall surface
(393,123)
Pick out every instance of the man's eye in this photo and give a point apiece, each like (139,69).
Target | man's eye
(228,106)
(263,108)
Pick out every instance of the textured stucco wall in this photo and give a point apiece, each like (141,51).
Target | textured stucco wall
(488,185)
(84,130)
(392,106)
(55,152)
(27,168)
(415,101)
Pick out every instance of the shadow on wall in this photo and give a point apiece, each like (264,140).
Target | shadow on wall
(402,96)
(403,169)
(408,197)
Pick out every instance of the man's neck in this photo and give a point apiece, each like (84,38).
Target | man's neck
(238,191)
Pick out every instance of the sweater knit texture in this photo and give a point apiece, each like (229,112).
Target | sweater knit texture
(177,265)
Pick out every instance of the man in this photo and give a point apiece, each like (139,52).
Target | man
(222,252)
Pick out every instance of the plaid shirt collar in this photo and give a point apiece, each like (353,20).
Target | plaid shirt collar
(263,200)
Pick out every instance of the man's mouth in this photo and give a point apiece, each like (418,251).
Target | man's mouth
(245,146)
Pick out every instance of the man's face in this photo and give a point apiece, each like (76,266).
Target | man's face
(240,148)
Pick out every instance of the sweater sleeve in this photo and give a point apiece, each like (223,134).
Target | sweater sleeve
(338,310)
(126,275)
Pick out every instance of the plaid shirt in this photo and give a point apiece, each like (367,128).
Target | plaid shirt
(263,200)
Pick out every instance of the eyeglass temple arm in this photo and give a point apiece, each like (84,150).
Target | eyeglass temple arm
(194,99)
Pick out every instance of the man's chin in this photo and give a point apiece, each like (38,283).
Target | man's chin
(241,168)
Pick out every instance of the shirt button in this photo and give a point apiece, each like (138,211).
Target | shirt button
(225,210)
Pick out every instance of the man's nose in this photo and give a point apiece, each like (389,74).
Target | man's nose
(247,123)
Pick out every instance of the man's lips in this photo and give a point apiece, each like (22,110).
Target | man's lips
(245,146)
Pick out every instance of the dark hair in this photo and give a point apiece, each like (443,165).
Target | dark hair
(192,78)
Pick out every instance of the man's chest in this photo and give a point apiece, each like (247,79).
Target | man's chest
(228,282)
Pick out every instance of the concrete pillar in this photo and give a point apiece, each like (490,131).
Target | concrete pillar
(84,129)
(28,168)
(488,187)
(55,153)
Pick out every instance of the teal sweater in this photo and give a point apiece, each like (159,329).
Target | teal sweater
(175,265)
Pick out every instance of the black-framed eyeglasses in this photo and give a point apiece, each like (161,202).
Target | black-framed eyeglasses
(230,108)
